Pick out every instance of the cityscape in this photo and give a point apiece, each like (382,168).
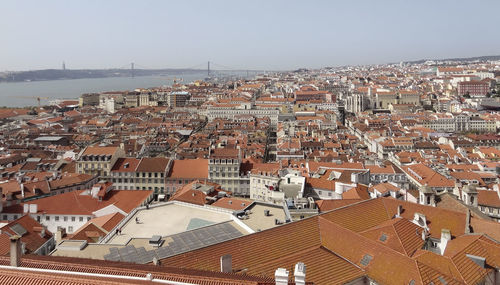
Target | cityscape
(362,173)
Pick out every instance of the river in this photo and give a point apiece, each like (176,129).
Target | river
(22,94)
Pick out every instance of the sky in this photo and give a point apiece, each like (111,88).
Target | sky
(241,34)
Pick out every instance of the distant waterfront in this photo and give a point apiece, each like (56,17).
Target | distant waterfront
(21,94)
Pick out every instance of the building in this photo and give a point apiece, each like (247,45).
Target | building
(488,202)
(34,237)
(428,182)
(147,173)
(18,269)
(178,99)
(98,160)
(224,168)
(71,210)
(357,243)
(473,88)
(214,112)
(276,186)
(183,172)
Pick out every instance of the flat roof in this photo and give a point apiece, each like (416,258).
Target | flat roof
(167,219)
(258,221)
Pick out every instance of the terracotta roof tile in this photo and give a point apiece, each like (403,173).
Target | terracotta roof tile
(73,203)
(189,169)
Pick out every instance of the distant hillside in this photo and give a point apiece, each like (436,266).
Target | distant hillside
(479,58)
(56,74)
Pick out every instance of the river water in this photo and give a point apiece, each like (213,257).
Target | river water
(21,94)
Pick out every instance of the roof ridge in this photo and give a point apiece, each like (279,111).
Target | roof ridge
(397,235)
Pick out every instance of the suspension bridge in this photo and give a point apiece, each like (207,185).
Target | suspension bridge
(212,69)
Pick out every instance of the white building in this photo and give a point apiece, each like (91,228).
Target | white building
(72,210)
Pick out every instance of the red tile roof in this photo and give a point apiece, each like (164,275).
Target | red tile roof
(189,169)
(32,239)
(74,203)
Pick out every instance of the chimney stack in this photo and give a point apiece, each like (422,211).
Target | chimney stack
(445,237)
(15,251)
(156,261)
(400,210)
(281,276)
(300,273)
(226,263)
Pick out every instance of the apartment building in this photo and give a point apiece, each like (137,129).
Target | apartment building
(461,123)
(473,88)
(183,172)
(147,173)
(98,160)
(224,168)
(71,210)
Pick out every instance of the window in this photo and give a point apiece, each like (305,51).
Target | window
(73,219)
(81,219)
(65,218)
(57,218)
(88,219)
(47,218)
(70,229)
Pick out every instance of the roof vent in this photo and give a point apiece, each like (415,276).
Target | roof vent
(156,240)
(383,238)
(441,279)
(226,263)
(481,261)
(366,260)
(19,230)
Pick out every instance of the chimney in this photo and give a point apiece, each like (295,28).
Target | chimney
(15,251)
(281,276)
(156,261)
(445,237)
(300,273)
(467,222)
(400,210)
(60,233)
(226,263)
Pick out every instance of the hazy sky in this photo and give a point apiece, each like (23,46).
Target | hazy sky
(246,34)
